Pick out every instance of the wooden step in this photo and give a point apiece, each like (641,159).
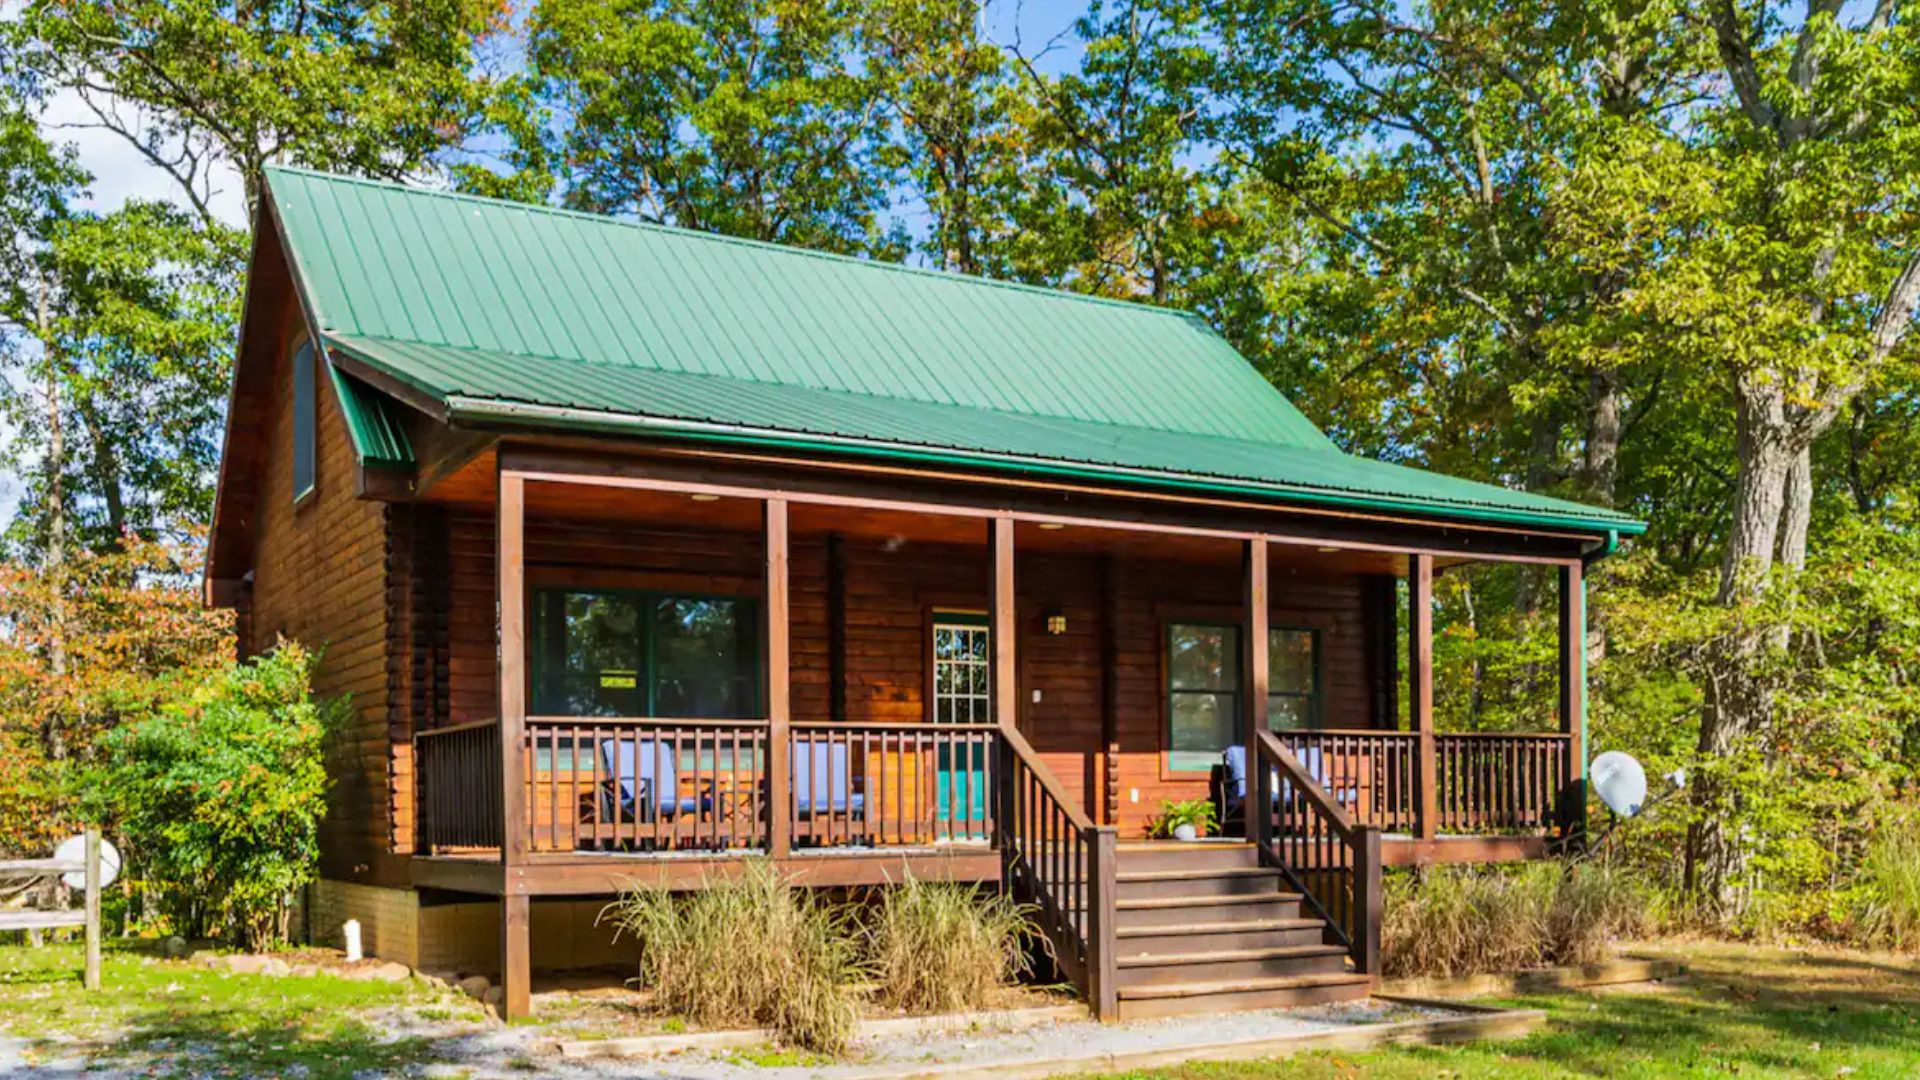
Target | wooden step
(1230,934)
(1164,855)
(1176,910)
(1209,881)
(1238,995)
(1230,965)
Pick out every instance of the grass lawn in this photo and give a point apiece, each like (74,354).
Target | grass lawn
(177,1017)
(1746,1012)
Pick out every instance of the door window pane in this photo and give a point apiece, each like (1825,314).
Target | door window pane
(617,653)
(702,658)
(960,663)
(588,647)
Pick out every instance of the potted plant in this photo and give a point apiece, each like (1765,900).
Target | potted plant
(1190,819)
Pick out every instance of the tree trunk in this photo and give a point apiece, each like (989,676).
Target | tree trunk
(1604,432)
(1797,511)
(1738,697)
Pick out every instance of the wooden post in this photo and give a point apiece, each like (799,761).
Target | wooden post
(516,970)
(1368,900)
(1002,625)
(1253,688)
(1103,973)
(91,979)
(1109,801)
(516,959)
(1573,697)
(779,682)
(1420,690)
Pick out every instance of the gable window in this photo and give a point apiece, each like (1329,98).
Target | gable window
(1203,688)
(605,652)
(303,421)
(960,669)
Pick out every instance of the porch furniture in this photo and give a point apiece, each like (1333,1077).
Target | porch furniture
(646,778)
(1229,783)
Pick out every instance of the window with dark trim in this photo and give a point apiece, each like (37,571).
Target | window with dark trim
(612,652)
(1203,688)
(303,420)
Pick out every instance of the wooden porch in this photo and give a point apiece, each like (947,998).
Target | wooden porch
(532,804)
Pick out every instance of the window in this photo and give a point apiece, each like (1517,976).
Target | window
(620,653)
(1203,693)
(303,420)
(1293,678)
(961,662)
(1203,688)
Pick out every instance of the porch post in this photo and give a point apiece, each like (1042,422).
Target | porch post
(779,675)
(1253,687)
(1002,625)
(510,573)
(1573,696)
(1420,691)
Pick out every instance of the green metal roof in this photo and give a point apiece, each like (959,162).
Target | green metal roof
(541,318)
(379,440)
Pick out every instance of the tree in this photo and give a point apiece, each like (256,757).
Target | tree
(741,117)
(203,86)
(124,325)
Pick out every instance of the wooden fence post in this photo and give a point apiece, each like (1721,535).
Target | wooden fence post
(92,977)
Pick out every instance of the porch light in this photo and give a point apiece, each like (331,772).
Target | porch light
(1052,526)
(1326,549)
(1056,623)
(703,497)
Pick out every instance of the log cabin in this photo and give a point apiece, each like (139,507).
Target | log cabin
(642,552)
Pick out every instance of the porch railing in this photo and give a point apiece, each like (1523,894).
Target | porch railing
(1058,860)
(1484,782)
(457,794)
(880,784)
(1333,862)
(1499,782)
(1373,775)
(631,784)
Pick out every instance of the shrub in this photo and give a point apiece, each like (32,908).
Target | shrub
(946,947)
(749,949)
(1451,921)
(1199,813)
(221,795)
(1890,886)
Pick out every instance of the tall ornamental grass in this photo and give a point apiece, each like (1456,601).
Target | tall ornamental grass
(945,947)
(1890,886)
(1451,921)
(749,950)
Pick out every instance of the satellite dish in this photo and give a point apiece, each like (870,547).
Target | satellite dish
(74,849)
(1621,782)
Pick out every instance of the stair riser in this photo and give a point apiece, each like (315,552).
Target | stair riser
(1206,1004)
(1221,941)
(1234,885)
(1199,857)
(1210,913)
(1276,967)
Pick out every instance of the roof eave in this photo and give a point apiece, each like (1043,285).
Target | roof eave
(488,412)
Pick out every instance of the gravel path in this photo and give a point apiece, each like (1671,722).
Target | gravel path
(473,1051)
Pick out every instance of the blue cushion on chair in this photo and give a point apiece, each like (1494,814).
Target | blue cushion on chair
(647,768)
(824,765)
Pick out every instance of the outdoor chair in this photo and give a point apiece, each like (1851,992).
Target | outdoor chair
(1228,782)
(646,778)
(822,784)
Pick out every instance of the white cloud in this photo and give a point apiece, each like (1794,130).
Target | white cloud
(121,172)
